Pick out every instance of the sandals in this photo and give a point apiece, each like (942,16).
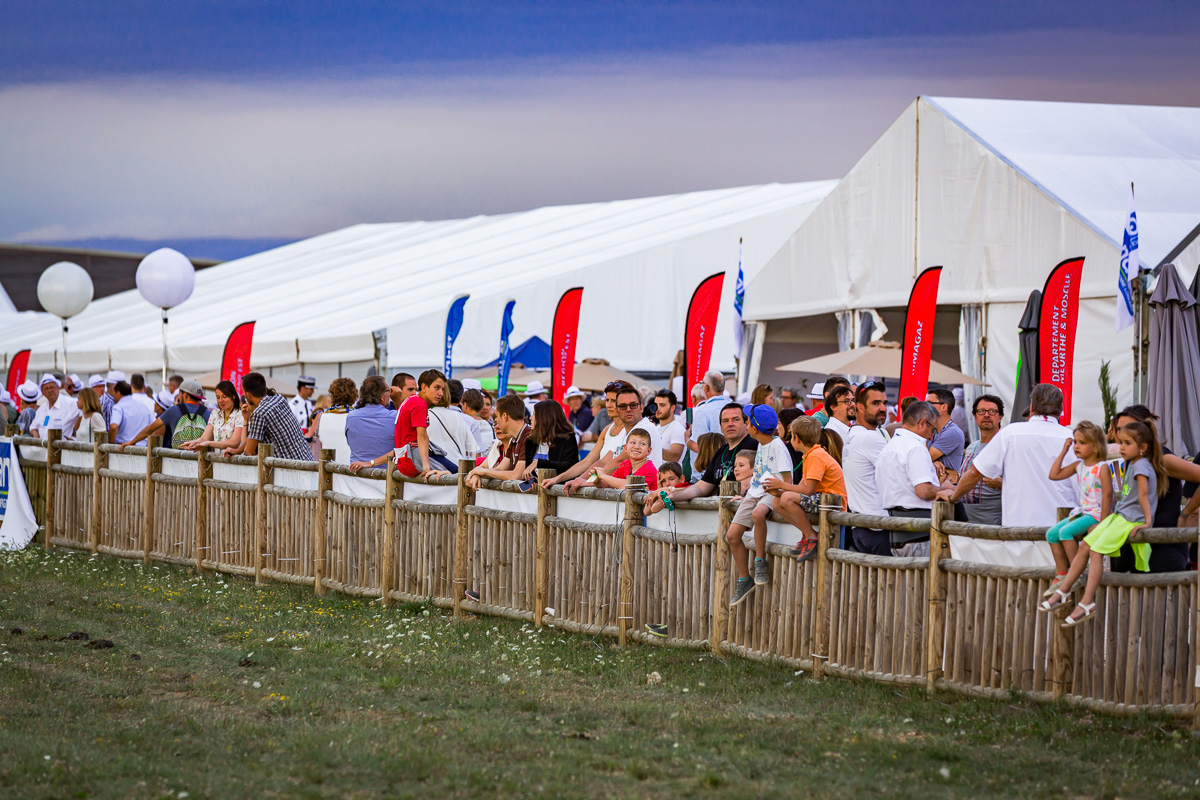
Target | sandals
(1049,605)
(1055,585)
(1089,611)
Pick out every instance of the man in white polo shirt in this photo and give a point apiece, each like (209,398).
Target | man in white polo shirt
(860,454)
(59,412)
(905,476)
(706,417)
(1020,454)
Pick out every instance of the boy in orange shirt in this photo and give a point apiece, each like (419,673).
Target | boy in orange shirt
(821,475)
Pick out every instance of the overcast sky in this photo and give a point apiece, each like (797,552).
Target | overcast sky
(207,120)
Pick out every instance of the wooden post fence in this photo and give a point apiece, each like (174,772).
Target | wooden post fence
(53,456)
(720,621)
(935,618)
(547,506)
(153,466)
(321,528)
(260,511)
(826,536)
(98,460)
(1062,655)
(631,517)
(390,485)
(462,535)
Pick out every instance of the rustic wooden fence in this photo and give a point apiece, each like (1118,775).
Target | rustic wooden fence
(591,563)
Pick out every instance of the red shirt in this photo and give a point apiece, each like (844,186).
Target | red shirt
(814,409)
(646,471)
(413,414)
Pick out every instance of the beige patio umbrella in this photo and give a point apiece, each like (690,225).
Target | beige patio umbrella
(209,381)
(591,375)
(879,360)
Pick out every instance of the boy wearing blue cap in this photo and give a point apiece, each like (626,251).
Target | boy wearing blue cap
(772,458)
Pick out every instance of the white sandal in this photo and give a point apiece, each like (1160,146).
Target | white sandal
(1047,605)
(1089,611)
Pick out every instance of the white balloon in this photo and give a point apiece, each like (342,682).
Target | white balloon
(166,278)
(64,289)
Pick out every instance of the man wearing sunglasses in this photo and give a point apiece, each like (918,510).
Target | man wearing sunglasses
(608,453)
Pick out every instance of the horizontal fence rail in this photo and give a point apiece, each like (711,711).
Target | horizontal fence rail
(590,562)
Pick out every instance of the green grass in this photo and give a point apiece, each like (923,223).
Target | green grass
(216,688)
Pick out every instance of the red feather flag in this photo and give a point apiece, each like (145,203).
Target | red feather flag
(699,331)
(236,361)
(1056,329)
(918,334)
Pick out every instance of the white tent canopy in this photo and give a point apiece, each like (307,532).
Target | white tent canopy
(320,300)
(997,192)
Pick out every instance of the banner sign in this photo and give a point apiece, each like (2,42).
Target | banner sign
(562,343)
(1129,264)
(235,362)
(699,331)
(1056,331)
(506,327)
(454,323)
(17,369)
(739,300)
(17,523)
(918,334)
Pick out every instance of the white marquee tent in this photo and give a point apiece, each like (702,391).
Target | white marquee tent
(997,192)
(324,303)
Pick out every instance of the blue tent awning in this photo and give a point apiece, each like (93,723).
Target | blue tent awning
(533,353)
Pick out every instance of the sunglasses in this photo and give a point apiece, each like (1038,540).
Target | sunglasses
(628,406)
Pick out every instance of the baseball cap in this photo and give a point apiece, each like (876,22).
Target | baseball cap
(762,417)
(192,386)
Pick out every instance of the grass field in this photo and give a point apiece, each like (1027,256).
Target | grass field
(216,688)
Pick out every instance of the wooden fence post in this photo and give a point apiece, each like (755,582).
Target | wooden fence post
(97,501)
(826,534)
(53,456)
(466,496)
(389,532)
(935,616)
(321,529)
(1062,655)
(204,472)
(547,506)
(721,568)
(260,510)
(153,465)
(632,517)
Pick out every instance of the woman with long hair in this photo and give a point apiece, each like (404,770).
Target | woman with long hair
(92,421)
(226,426)
(552,444)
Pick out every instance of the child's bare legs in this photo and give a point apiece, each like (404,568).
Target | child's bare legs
(788,507)
(760,529)
(1072,547)
(1062,561)
(1077,564)
(1095,571)
(737,549)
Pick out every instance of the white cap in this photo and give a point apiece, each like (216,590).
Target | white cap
(164,399)
(76,384)
(5,397)
(472,383)
(534,388)
(114,375)
(28,391)
(817,392)
(574,391)
(95,380)
(48,378)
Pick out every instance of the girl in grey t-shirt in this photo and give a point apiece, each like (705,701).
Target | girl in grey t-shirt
(1143,480)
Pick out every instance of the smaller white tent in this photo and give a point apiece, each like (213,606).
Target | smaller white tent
(328,300)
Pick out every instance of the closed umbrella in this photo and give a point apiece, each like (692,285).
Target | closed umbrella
(1173,385)
(1027,357)
(1195,290)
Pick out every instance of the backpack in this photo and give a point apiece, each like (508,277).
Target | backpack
(189,427)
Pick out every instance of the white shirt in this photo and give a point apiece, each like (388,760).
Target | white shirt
(1022,453)
(450,430)
(484,434)
(130,417)
(840,428)
(771,458)
(89,427)
(59,417)
(673,433)
(706,417)
(859,457)
(903,464)
(146,401)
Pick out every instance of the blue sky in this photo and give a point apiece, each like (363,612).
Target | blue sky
(208,120)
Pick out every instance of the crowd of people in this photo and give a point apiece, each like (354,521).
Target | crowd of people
(877,459)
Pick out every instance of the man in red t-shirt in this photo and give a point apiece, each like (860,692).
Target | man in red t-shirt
(412,423)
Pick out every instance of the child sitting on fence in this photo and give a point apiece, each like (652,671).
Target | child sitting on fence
(771,459)
(743,471)
(821,474)
(1143,479)
(637,447)
(1093,492)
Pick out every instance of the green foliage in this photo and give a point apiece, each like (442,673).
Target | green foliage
(216,688)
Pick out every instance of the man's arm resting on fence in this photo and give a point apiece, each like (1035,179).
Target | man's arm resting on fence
(153,429)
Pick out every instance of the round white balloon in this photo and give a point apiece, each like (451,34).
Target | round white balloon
(64,289)
(166,278)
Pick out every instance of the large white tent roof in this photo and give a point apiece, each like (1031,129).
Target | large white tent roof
(320,300)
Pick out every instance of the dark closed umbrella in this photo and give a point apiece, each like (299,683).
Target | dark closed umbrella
(1173,386)
(1027,358)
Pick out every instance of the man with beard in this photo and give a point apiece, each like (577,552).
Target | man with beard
(737,438)
(983,501)
(842,409)
(860,453)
